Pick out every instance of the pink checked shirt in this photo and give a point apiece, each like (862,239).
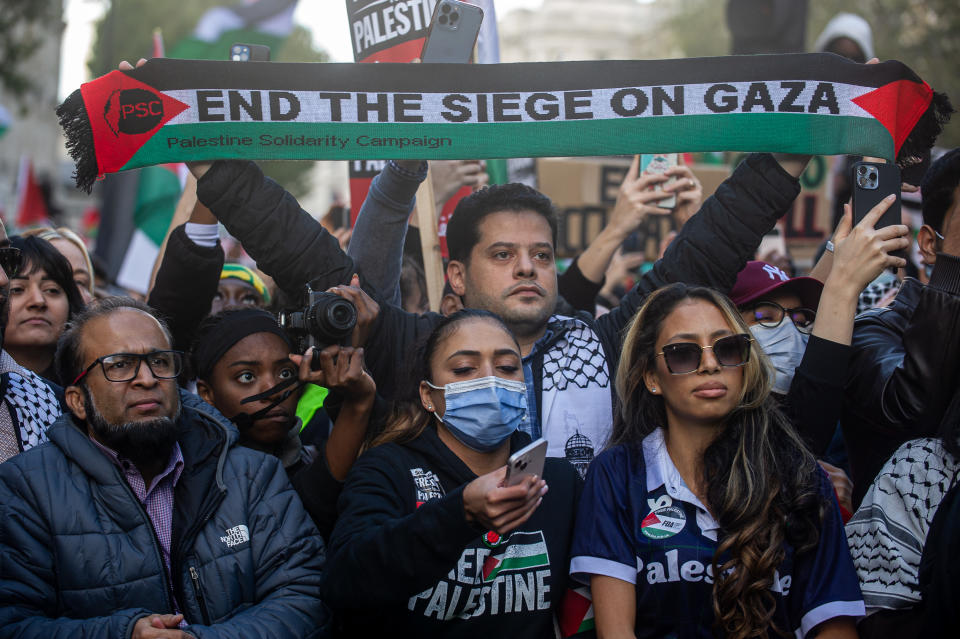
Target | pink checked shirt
(157,498)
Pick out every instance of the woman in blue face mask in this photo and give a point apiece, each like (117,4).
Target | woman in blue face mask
(430,540)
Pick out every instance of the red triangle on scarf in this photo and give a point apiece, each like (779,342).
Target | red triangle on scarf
(124,113)
(897,106)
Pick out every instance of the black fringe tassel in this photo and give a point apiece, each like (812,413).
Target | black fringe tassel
(927,129)
(79,134)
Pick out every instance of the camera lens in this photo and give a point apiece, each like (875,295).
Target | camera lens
(445,8)
(862,181)
(454,17)
(862,170)
(442,19)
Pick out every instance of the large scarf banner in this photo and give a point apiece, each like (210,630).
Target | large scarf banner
(187,110)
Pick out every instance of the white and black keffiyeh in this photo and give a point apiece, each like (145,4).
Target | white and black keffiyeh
(887,533)
(33,405)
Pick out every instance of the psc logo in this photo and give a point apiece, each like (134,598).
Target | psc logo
(133,111)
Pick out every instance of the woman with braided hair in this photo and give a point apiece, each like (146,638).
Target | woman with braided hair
(707,516)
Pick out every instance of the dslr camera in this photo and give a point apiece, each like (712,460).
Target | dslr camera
(327,319)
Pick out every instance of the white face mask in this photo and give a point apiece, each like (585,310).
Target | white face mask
(784,345)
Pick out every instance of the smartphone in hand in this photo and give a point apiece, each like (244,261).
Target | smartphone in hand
(527,461)
(453,32)
(240,52)
(658,164)
(872,182)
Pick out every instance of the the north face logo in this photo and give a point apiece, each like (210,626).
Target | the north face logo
(133,111)
(236,536)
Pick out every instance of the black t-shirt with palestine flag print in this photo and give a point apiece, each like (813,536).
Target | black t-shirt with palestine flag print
(403,562)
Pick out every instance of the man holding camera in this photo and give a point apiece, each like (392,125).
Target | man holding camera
(142,517)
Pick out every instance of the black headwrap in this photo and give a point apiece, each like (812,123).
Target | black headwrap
(233,326)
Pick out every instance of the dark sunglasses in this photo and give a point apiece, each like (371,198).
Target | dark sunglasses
(10,260)
(771,314)
(684,357)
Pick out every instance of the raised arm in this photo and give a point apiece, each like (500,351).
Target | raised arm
(716,243)
(188,276)
(376,245)
(285,241)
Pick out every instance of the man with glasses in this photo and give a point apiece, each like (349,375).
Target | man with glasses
(29,404)
(142,517)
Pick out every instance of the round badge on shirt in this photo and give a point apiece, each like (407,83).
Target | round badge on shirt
(663,522)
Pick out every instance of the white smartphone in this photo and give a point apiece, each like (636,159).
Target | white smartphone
(657,164)
(527,461)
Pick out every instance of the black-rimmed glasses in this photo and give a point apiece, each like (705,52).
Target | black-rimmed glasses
(123,367)
(10,260)
(684,357)
(771,314)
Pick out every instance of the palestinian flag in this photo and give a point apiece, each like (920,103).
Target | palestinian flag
(158,192)
(525,550)
(266,22)
(576,612)
(182,110)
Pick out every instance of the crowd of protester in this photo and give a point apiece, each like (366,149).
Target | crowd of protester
(732,449)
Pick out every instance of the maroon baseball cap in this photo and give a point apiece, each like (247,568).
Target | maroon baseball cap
(759,278)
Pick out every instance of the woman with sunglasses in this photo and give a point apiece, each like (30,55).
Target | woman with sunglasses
(43,297)
(707,516)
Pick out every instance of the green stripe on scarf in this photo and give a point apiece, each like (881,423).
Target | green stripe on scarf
(178,110)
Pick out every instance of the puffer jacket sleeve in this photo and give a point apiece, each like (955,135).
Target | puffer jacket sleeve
(716,243)
(385,549)
(289,557)
(186,284)
(287,244)
(28,592)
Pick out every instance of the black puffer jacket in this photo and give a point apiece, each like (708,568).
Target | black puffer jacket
(905,367)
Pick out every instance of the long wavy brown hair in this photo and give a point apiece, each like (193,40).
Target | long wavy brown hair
(761,480)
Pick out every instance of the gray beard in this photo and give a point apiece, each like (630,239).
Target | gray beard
(140,442)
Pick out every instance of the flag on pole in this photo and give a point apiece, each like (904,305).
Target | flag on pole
(266,22)
(31,204)
(158,191)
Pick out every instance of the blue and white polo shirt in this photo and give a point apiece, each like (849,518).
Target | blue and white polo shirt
(639,522)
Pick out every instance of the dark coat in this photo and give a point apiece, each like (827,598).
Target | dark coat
(402,550)
(79,557)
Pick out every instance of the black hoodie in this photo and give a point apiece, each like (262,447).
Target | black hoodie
(404,562)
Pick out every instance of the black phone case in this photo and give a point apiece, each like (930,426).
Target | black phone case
(865,199)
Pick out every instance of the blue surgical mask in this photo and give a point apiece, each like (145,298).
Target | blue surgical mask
(784,345)
(483,413)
